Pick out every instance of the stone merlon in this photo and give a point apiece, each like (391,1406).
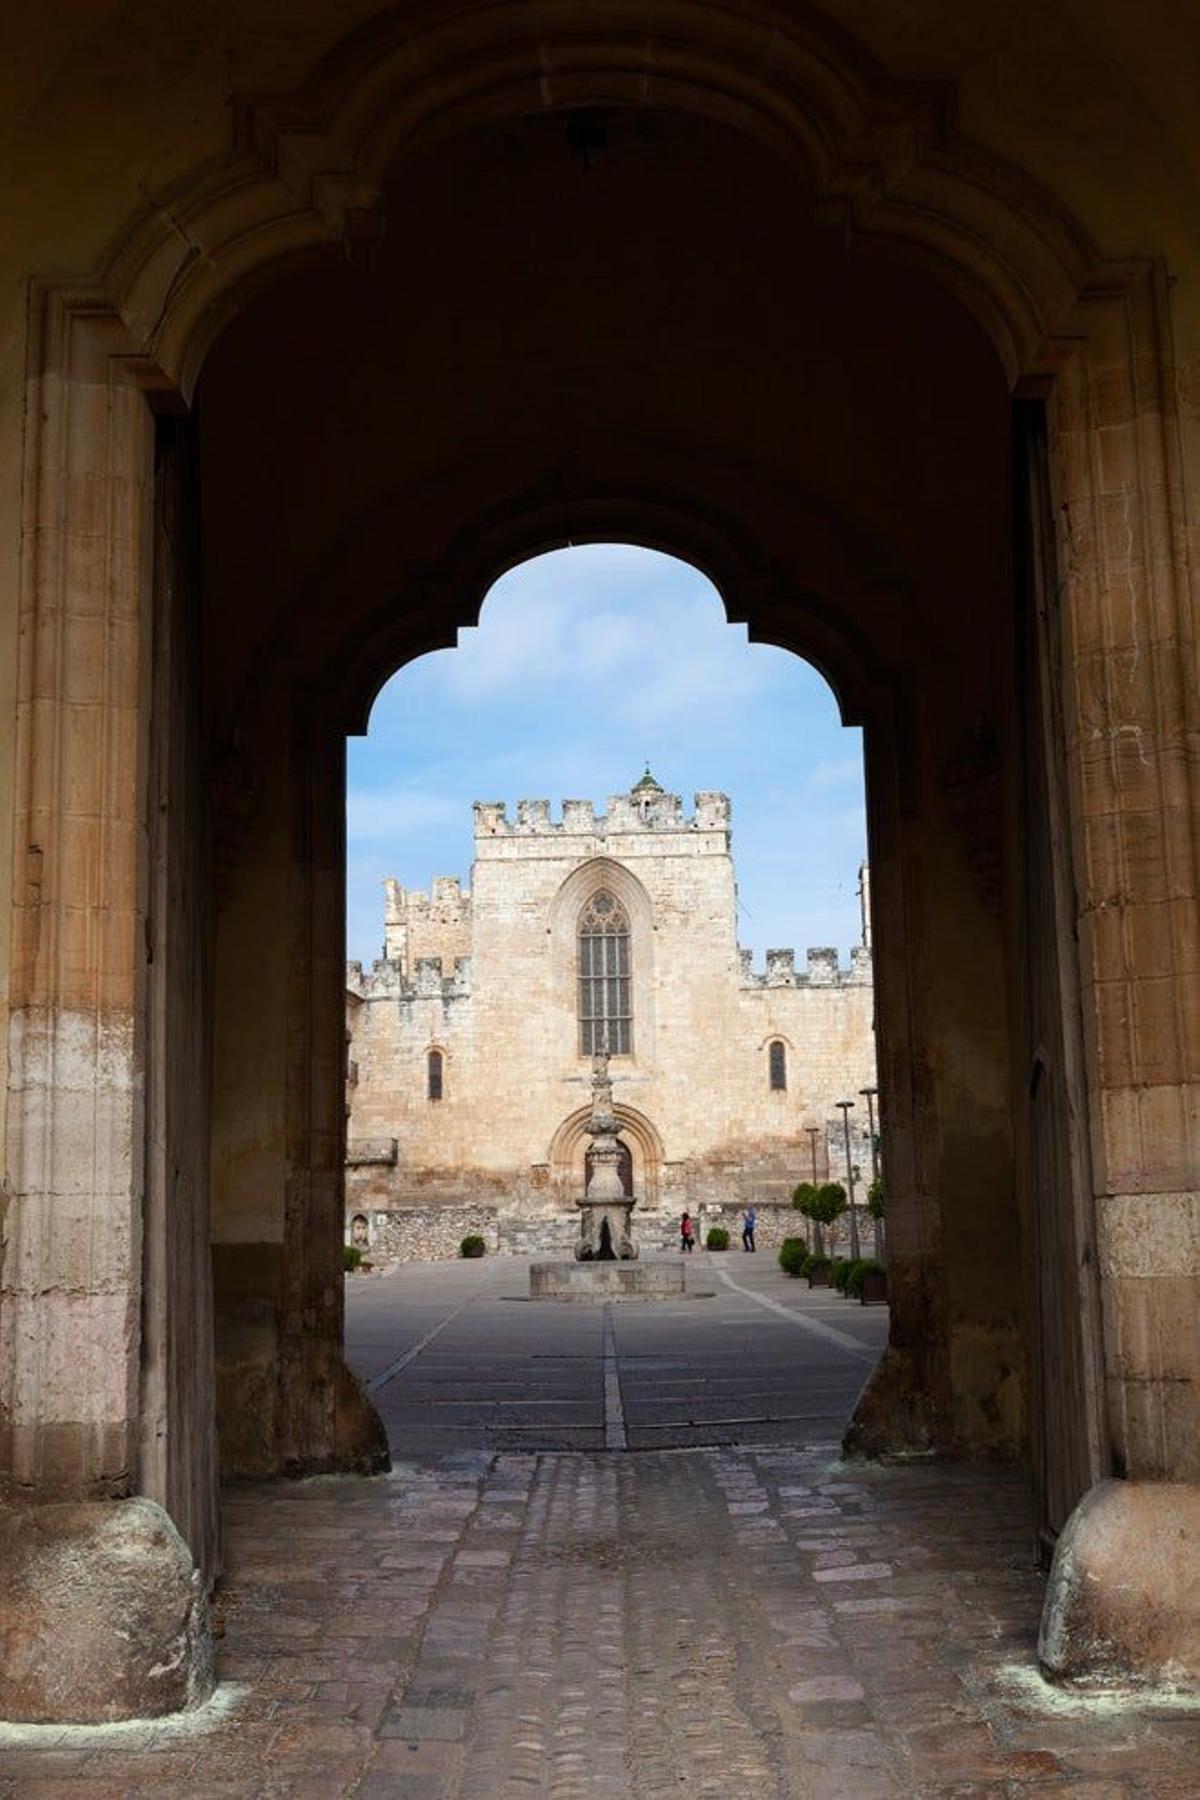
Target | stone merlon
(823,969)
(650,810)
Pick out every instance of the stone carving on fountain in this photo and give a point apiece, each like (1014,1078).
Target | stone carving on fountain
(606,1210)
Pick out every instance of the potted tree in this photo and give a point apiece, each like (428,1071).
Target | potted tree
(875,1206)
(823,1205)
(870,1283)
(804,1200)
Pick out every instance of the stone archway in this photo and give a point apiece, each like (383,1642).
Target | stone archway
(637,1132)
(883,160)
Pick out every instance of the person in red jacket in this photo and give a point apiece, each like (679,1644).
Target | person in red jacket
(687,1233)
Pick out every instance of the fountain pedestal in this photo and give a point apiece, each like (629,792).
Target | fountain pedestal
(606,1265)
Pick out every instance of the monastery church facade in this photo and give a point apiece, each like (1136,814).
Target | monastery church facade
(470,1042)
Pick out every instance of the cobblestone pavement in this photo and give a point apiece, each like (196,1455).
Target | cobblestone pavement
(705,1622)
(748,1621)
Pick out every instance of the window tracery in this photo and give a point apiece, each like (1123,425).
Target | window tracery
(605,978)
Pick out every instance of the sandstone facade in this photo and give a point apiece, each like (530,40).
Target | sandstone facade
(469,1058)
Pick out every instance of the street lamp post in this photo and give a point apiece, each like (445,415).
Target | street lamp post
(845,1108)
(868,1094)
(813,1133)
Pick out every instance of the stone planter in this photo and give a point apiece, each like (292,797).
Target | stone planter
(874,1288)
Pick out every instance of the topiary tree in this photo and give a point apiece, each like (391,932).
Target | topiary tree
(876,1206)
(805,1200)
(823,1205)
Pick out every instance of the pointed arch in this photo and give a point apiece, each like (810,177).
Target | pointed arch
(605,976)
(604,875)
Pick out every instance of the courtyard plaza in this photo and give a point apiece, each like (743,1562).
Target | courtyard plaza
(619,1555)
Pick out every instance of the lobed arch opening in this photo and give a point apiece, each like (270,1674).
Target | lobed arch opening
(397,542)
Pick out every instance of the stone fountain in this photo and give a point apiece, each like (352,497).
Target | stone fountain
(606,1265)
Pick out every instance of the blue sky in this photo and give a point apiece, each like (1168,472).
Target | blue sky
(586,664)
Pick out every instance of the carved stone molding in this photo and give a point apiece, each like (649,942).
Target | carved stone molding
(883,158)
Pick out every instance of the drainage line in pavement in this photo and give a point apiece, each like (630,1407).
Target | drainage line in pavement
(805,1320)
(394,1368)
(614,1412)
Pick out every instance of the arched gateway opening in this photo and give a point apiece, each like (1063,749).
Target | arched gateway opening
(676,931)
(838,465)
(534,334)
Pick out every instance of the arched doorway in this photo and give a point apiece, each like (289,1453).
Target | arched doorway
(853,542)
(641,1165)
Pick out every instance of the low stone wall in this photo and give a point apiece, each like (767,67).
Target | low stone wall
(774,1223)
(424,1233)
(433,1232)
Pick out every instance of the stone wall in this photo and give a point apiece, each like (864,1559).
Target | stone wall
(418,926)
(412,1232)
(423,1233)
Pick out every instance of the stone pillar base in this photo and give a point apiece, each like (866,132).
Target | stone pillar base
(102,1615)
(1123,1601)
(895,1415)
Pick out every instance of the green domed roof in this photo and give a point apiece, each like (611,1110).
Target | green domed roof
(647,784)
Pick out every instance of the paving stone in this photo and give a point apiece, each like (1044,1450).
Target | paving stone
(742,1622)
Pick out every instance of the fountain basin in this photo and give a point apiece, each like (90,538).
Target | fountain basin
(610,1281)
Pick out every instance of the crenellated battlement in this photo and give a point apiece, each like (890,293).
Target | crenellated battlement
(823,969)
(417,925)
(387,980)
(650,810)
(447,901)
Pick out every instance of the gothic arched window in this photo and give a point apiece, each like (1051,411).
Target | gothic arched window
(777,1063)
(433,1075)
(605,985)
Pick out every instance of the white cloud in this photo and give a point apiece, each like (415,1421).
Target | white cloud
(391,812)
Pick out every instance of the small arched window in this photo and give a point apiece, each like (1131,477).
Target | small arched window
(605,982)
(433,1074)
(777,1064)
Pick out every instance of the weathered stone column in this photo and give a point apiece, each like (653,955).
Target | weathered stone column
(1133,747)
(70,1331)
(287,1401)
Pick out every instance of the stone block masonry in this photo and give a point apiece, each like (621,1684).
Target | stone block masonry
(434,1232)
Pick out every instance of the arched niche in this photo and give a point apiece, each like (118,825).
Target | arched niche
(569,1147)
